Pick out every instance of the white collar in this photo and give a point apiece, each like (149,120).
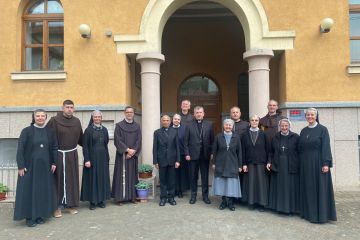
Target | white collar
(312,126)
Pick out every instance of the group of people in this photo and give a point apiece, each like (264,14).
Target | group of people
(262,163)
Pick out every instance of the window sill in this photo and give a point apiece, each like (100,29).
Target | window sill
(353,68)
(39,76)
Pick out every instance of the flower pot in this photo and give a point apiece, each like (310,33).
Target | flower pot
(142,193)
(2,196)
(145,174)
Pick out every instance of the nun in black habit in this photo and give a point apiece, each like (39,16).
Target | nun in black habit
(255,147)
(96,178)
(284,181)
(317,202)
(36,154)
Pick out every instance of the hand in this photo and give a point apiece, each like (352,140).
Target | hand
(240,169)
(53,168)
(211,157)
(187,158)
(131,152)
(157,166)
(21,172)
(268,166)
(213,166)
(128,156)
(325,169)
(245,169)
(177,165)
(87,164)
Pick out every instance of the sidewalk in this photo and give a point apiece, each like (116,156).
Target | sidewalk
(185,221)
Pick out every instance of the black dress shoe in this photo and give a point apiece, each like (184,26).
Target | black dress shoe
(222,205)
(101,205)
(40,221)
(206,200)
(92,206)
(180,195)
(172,201)
(192,200)
(162,202)
(30,223)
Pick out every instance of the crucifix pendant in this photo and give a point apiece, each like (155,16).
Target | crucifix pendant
(283,148)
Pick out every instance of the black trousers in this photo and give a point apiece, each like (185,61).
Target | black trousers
(167,181)
(202,164)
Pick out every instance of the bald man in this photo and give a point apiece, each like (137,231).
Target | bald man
(166,157)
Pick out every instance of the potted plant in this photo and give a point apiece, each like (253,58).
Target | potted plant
(142,189)
(3,190)
(145,170)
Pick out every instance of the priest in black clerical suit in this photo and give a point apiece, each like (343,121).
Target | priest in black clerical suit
(199,138)
(166,157)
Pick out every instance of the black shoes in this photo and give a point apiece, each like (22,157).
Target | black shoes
(206,200)
(92,206)
(39,220)
(30,223)
(231,204)
(162,202)
(172,201)
(192,200)
(180,195)
(222,205)
(101,205)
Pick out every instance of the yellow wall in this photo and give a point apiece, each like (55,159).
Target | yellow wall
(96,73)
(315,70)
(316,67)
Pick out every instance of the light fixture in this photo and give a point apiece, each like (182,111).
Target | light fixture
(85,30)
(326,25)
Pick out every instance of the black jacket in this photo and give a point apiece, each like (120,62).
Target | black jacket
(227,161)
(292,152)
(166,147)
(257,154)
(192,142)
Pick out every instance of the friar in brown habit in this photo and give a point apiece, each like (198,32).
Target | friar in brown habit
(127,140)
(69,134)
(270,123)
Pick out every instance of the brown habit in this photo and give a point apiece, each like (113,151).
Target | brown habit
(69,134)
(127,135)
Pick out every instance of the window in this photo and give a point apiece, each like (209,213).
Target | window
(43,38)
(354,30)
(8,148)
(198,85)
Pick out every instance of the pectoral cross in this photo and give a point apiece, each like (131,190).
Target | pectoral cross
(283,148)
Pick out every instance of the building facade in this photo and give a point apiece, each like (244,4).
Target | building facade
(153,53)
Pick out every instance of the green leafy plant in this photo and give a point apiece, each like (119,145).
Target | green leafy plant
(3,188)
(143,185)
(143,167)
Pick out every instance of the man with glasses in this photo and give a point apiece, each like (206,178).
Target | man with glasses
(127,140)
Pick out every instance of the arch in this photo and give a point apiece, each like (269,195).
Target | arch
(250,13)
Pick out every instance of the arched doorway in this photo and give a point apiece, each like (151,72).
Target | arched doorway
(202,90)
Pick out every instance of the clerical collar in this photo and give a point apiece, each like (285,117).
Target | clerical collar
(165,128)
(283,134)
(129,121)
(199,121)
(38,126)
(174,126)
(97,126)
(314,125)
(254,129)
(272,114)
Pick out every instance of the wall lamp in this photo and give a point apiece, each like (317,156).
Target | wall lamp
(85,30)
(326,25)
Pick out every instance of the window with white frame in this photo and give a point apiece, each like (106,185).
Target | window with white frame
(354,21)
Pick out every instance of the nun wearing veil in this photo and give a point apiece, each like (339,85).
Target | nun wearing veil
(317,202)
(284,164)
(96,179)
(36,154)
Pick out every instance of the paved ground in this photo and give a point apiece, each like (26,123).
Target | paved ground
(185,221)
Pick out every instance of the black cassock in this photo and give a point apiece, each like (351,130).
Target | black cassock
(35,193)
(284,181)
(96,179)
(317,203)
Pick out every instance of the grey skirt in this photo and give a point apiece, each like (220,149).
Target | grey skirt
(229,187)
